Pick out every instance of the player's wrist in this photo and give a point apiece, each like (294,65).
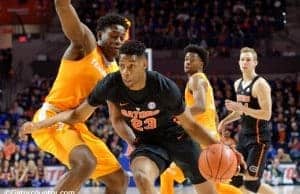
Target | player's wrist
(244,110)
(135,142)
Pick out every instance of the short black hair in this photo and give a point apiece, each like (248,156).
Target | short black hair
(202,52)
(111,19)
(133,47)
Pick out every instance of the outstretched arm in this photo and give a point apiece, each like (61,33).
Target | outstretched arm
(79,114)
(78,33)
(120,126)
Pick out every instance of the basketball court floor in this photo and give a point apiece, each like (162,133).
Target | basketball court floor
(131,190)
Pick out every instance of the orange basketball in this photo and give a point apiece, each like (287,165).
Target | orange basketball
(218,163)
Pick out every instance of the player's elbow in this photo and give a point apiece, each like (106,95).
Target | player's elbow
(201,108)
(197,109)
(191,128)
(267,116)
(73,117)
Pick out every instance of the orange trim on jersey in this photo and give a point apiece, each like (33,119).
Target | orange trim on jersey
(260,159)
(257,131)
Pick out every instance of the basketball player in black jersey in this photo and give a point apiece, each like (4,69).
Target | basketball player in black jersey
(142,106)
(254,108)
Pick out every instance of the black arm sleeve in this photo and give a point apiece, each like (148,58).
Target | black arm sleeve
(101,91)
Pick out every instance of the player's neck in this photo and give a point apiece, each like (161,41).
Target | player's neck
(191,74)
(249,76)
(141,84)
(107,57)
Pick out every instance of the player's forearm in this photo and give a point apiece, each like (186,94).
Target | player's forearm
(70,22)
(69,117)
(62,2)
(124,131)
(197,109)
(198,133)
(257,113)
(65,116)
(231,118)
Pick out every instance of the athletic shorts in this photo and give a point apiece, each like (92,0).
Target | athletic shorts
(60,139)
(184,153)
(255,154)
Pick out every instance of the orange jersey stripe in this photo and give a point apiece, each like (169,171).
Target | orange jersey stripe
(76,79)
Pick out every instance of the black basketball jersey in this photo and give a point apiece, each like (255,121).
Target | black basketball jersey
(250,125)
(150,111)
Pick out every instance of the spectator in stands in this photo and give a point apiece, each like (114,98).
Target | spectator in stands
(15,172)
(296,176)
(282,156)
(7,176)
(9,148)
(162,26)
(41,174)
(276,172)
(271,154)
(23,155)
(5,129)
(282,135)
(294,147)
(295,130)
(29,175)
(32,152)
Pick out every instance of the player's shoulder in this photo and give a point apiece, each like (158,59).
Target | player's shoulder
(237,82)
(198,79)
(162,82)
(112,79)
(261,82)
(197,76)
(113,75)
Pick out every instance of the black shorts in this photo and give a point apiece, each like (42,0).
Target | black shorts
(184,152)
(255,154)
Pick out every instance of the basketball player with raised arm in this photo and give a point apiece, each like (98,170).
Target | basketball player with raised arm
(84,63)
(254,108)
(199,100)
(142,106)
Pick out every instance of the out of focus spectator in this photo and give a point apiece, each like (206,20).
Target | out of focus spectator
(276,172)
(282,156)
(9,148)
(218,25)
(294,147)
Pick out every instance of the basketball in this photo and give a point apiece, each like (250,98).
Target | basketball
(218,163)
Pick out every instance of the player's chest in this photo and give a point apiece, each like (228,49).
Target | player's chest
(142,116)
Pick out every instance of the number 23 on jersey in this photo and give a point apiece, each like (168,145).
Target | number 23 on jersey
(146,124)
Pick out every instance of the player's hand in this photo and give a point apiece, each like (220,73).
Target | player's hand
(129,150)
(240,160)
(221,127)
(26,128)
(227,140)
(234,106)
